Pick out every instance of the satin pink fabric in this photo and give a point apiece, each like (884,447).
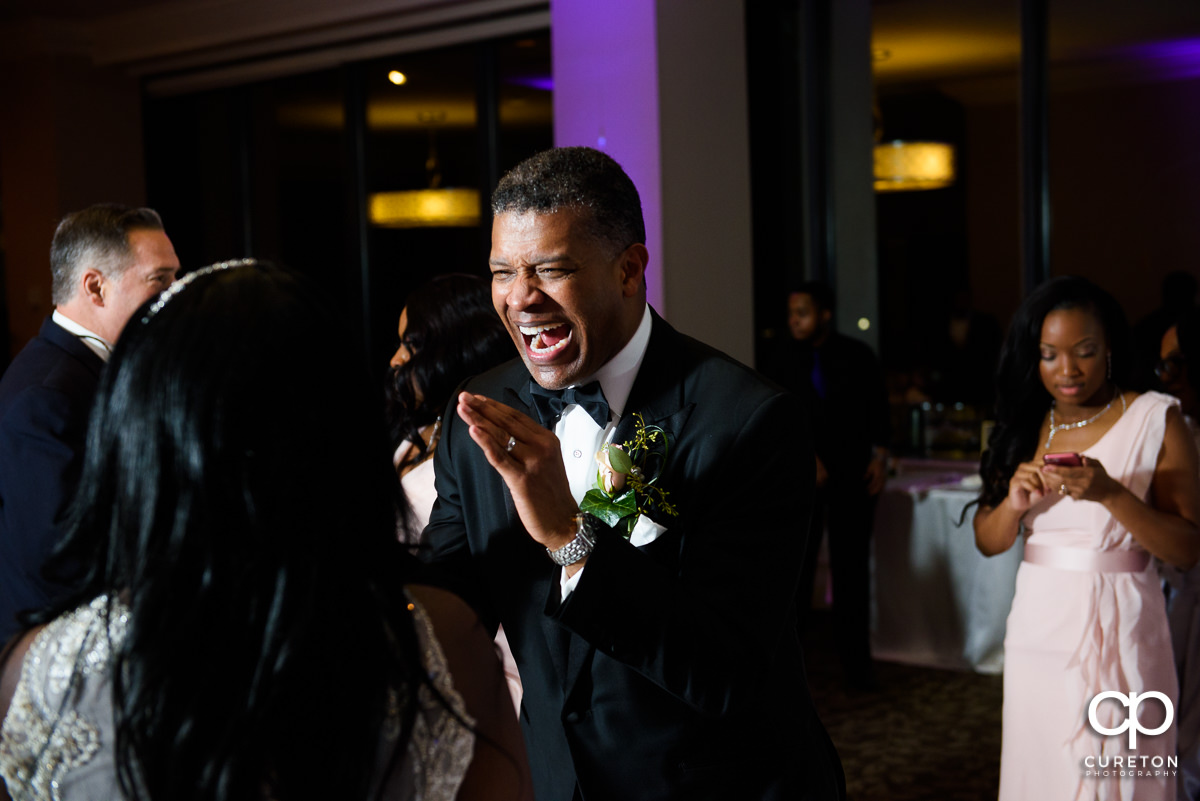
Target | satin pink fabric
(1083,621)
(1119,561)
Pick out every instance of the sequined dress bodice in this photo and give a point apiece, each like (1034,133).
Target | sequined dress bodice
(56,743)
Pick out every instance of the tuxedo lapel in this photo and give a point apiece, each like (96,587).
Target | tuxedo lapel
(520,398)
(657,396)
(657,392)
(517,395)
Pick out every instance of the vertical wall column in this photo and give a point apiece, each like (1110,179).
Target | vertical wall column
(854,272)
(660,85)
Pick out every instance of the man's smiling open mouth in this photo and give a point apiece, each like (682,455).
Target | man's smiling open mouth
(545,340)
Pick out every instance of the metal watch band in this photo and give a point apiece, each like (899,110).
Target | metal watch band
(578,548)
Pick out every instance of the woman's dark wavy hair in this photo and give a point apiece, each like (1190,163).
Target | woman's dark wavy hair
(1021,398)
(453,333)
(240,500)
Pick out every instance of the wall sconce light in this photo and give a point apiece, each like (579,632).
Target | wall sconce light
(433,207)
(903,166)
(424,208)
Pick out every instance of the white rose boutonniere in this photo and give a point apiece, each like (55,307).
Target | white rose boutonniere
(625,481)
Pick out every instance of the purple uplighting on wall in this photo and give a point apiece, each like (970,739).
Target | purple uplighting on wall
(1175,59)
(542,82)
(606,96)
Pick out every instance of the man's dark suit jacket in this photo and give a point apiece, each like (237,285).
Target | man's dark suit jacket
(45,398)
(673,670)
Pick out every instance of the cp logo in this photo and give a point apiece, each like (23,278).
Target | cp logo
(1132,702)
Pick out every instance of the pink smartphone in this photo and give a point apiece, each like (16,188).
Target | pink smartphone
(1063,459)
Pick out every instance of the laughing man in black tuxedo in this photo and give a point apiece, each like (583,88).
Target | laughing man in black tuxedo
(665,665)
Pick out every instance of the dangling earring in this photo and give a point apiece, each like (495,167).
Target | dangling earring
(1110,365)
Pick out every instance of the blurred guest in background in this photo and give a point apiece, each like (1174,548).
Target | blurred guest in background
(964,368)
(1180,349)
(448,332)
(249,626)
(1098,479)
(1178,296)
(105,261)
(842,383)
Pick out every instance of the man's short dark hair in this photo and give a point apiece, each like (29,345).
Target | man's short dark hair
(820,292)
(581,179)
(97,236)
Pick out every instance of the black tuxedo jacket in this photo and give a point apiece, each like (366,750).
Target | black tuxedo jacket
(673,670)
(45,398)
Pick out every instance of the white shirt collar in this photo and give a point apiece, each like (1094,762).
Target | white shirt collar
(96,343)
(617,375)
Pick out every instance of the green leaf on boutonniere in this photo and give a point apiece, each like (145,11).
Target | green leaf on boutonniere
(619,460)
(609,510)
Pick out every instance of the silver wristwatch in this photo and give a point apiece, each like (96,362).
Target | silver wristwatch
(578,548)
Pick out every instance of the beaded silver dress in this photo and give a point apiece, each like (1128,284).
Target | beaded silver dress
(56,743)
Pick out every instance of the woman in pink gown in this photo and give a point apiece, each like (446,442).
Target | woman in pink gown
(1088,616)
(448,332)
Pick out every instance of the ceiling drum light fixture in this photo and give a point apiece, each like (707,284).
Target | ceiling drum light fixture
(397,77)
(425,208)
(434,207)
(905,166)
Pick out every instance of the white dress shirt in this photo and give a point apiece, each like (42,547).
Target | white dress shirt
(581,439)
(96,343)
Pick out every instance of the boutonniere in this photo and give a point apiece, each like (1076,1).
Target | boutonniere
(625,488)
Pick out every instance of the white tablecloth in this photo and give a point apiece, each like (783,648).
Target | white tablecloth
(936,600)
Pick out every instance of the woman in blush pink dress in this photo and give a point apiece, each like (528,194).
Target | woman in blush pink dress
(1088,615)
(448,332)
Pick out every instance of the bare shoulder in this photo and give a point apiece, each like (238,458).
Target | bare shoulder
(12,658)
(449,614)
(499,769)
(461,635)
(1178,443)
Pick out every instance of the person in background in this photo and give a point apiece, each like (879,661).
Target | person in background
(105,261)
(1180,349)
(843,385)
(1179,289)
(448,332)
(965,356)
(248,627)
(1096,479)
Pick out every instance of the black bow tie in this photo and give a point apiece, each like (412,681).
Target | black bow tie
(550,403)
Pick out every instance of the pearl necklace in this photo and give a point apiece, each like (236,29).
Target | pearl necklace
(1054,429)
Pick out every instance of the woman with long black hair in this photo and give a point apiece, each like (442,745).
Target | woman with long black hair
(1097,480)
(448,332)
(248,627)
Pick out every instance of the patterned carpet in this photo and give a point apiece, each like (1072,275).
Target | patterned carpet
(924,735)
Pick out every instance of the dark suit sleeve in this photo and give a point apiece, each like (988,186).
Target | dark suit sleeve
(42,438)
(706,623)
(445,546)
